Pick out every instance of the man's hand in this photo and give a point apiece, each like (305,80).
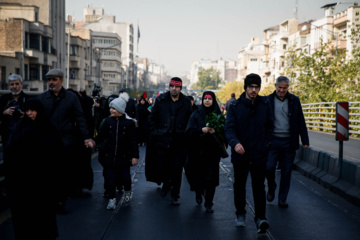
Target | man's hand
(134,161)
(239,149)
(305,146)
(89,143)
(9,111)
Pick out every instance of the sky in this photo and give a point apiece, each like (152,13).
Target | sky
(176,33)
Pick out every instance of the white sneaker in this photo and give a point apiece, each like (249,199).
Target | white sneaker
(240,220)
(127,196)
(112,203)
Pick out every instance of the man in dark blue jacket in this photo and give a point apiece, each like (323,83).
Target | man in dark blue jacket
(248,129)
(289,125)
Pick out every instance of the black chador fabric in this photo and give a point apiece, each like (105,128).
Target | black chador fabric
(202,167)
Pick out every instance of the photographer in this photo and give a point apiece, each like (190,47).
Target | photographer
(100,106)
(12,106)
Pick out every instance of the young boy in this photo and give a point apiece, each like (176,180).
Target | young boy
(118,136)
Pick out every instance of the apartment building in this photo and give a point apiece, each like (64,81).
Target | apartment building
(304,37)
(32,40)
(228,69)
(124,30)
(108,52)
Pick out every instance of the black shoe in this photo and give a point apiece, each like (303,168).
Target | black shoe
(209,209)
(163,192)
(270,194)
(262,225)
(198,198)
(283,204)
(175,201)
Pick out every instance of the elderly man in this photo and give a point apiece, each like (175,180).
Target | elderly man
(289,125)
(12,106)
(64,109)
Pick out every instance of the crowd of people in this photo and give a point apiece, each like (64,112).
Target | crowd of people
(63,127)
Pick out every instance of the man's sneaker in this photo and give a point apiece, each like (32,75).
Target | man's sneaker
(240,220)
(127,196)
(262,225)
(283,204)
(112,203)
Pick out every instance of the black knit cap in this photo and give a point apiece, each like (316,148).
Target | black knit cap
(252,78)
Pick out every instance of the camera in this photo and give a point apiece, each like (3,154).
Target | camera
(96,92)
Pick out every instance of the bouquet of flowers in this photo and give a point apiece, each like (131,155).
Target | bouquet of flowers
(217,122)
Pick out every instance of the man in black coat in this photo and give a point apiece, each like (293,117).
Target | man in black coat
(289,125)
(167,151)
(11,106)
(248,129)
(64,110)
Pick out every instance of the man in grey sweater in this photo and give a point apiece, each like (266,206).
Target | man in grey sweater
(289,125)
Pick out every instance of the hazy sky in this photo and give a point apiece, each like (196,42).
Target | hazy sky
(176,33)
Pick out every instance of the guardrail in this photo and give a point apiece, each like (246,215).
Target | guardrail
(322,117)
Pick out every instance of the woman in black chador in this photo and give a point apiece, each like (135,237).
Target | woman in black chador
(142,114)
(34,154)
(202,168)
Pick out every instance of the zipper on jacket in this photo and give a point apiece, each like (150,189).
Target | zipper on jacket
(117,136)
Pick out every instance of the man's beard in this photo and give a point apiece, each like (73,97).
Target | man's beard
(16,93)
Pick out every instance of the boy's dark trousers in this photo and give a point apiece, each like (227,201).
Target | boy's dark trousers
(114,175)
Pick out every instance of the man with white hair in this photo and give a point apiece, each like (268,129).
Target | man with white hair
(12,106)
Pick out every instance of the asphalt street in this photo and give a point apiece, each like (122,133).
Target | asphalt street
(313,213)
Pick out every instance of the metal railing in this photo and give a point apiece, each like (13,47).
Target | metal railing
(322,117)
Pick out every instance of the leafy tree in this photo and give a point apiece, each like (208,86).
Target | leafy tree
(208,79)
(328,74)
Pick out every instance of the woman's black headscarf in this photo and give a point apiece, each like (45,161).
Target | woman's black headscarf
(214,107)
(35,105)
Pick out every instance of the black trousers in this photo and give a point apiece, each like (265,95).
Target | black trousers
(257,172)
(171,164)
(113,176)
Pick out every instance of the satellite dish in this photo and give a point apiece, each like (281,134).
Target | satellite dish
(304,28)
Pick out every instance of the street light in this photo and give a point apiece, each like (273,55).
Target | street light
(68,48)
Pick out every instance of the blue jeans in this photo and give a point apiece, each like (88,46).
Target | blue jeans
(280,151)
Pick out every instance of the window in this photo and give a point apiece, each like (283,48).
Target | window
(34,72)
(284,46)
(34,41)
(45,70)
(253,59)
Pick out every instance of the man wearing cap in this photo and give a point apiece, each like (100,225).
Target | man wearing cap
(289,125)
(168,120)
(248,129)
(12,106)
(64,109)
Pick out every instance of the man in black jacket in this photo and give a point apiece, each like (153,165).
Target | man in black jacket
(168,120)
(289,125)
(12,106)
(64,110)
(248,128)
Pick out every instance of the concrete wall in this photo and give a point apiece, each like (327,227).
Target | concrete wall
(325,170)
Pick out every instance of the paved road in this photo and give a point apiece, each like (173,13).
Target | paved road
(326,142)
(314,213)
